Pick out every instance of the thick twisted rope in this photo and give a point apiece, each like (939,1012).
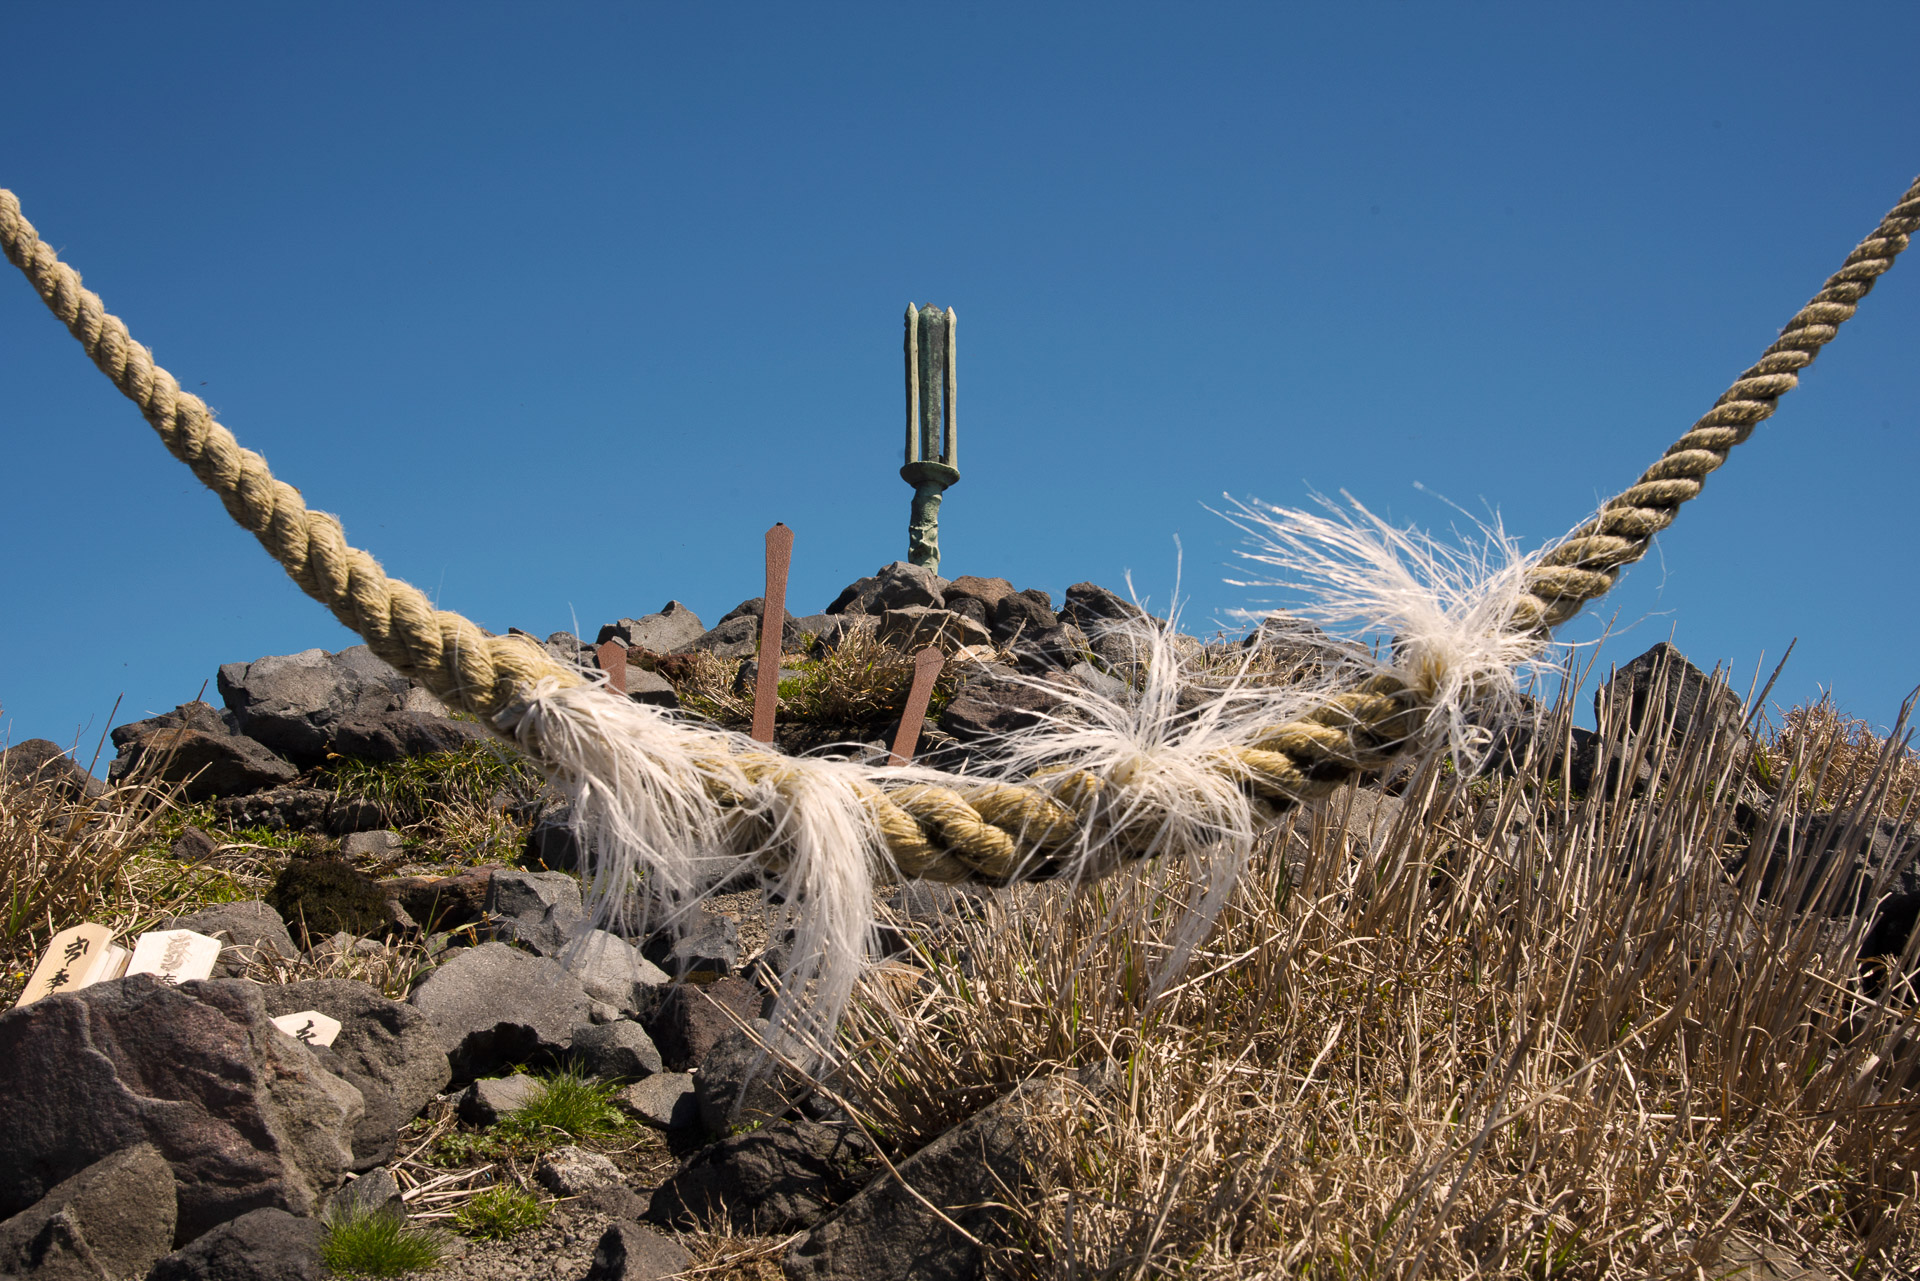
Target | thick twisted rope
(463,666)
(1584,565)
(972,831)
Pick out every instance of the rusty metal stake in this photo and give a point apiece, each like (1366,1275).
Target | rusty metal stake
(773,622)
(612,657)
(926,668)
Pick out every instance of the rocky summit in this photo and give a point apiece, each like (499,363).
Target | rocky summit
(372,864)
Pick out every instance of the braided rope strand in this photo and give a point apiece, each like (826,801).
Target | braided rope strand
(1584,565)
(462,665)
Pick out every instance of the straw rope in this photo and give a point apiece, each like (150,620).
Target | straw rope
(1584,565)
(978,831)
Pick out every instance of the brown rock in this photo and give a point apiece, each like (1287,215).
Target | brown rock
(691,1020)
(988,591)
(443,902)
(912,628)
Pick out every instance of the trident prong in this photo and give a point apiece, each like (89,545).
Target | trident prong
(932,427)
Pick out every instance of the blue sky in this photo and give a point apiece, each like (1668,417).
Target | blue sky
(560,306)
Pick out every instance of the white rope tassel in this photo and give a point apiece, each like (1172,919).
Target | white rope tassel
(1447,608)
(642,784)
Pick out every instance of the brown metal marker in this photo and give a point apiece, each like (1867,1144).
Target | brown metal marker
(773,622)
(612,657)
(926,667)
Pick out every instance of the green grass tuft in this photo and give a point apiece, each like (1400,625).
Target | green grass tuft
(502,1211)
(377,1245)
(573,1106)
(410,790)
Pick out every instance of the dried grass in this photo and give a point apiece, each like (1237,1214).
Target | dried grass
(67,859)
(1831,759)
(1515,1035)
(390,968)
(859,685)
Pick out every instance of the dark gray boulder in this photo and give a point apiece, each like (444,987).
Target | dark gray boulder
(1893,924)
(572,1171)
(747,678)
(651,688)
(777,1178)
(1661,693)
(541,910)
(300,809)
(612,970)
(885,1231)
(490,1098)
(552,844)
(444,902)
(379,843)
(903,583)
(1057,648)
(974,612)
(984,709)
(295,703)
(193,845)
(494,1006)
(752,607)
(739,637)
(698,950)
(1850,854)
(1093,608)
(675,625)
(1111,688)
(827,629)
(911,628)
(894,586)
(630,1251)
(1123,650)
(386,1049)
(194,744)
(1022,614)
(740,1084)
(569,650)
(1595,762)
(263,1245)
(621,633)
(244,1114)
(397,735)
(854,597)
(374,1192)
(1288,637)
(615,1051)
(111,1220)
(665,1100)
(41,761)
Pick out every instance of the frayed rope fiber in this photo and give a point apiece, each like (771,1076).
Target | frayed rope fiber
(685,805)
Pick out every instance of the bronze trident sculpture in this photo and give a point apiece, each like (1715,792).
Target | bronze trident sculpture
(932,427)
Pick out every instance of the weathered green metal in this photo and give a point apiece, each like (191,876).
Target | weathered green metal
(932,428)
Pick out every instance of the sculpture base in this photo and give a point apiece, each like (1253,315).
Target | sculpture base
(929,473)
